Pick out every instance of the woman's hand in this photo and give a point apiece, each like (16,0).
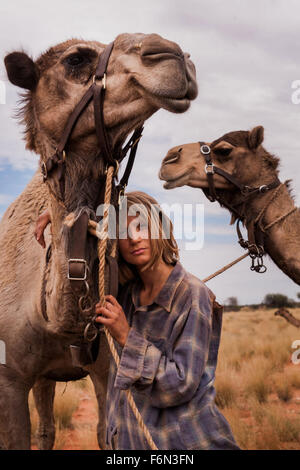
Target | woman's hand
(43,220)
(113,317)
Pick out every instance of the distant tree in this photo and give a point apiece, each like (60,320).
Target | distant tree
(278,301)
(298,295)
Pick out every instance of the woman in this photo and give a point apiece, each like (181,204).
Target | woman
(167,334)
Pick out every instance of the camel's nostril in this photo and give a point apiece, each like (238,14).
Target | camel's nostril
(160,55)
(172,158)
(156,48)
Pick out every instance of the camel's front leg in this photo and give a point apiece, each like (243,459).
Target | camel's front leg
(14,412)
(43,393)
(99,375)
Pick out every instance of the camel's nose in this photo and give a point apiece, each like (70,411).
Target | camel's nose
(172,157)
(154,47)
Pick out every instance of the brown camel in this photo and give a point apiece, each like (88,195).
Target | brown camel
(145,73)
(284,313)
(242,155)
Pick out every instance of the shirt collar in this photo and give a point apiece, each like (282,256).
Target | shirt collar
(165,297)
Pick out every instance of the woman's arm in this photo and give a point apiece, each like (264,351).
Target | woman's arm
(172,378)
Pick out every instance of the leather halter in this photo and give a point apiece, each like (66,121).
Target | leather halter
(96,92)
(255,242)
(211,169)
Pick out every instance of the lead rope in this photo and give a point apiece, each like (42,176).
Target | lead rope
(220,271)
(102,244)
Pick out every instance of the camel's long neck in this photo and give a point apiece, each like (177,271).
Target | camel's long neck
(282,240)
(289,317)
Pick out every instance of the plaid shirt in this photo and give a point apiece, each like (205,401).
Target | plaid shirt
(169,362)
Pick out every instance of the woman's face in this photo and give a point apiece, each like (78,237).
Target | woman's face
(134,244)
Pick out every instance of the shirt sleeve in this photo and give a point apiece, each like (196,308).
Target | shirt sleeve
(174,376)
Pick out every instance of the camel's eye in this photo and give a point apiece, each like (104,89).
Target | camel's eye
(222,151)
(76,60)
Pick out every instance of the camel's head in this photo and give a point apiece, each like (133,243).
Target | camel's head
(239,153)
(145,72)
(281,312)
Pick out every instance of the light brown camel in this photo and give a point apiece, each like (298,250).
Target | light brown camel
(145,73)
(284,313)
(241,154)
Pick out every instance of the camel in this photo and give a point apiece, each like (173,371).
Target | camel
(284,313)
(145,73)
(241,154)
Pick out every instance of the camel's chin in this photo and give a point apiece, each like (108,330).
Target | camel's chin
(173,105)
(171,185)
(176,105)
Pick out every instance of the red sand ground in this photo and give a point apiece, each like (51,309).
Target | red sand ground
(84,421)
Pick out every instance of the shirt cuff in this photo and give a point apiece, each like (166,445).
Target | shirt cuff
(132,360)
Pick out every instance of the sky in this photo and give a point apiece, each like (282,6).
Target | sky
(247,57)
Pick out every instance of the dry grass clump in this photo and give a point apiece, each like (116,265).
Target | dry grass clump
(293,377)
(257,385)
(283,389)
(226,390)
(256,379)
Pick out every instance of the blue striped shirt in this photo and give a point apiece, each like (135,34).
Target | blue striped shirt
(169,362)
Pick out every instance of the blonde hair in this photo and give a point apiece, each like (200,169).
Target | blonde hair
(162,247)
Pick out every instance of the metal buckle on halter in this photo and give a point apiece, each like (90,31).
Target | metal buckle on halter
(77,260)
(121,194)
(263,189)
(205,149)
(245,191)
(103,80)
(209,169)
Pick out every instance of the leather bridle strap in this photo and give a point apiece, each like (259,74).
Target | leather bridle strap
(99,93)
(212,169)
(95,92)
(132,145)
(77,265)
(255,242)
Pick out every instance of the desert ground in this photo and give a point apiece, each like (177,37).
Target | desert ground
(258,387)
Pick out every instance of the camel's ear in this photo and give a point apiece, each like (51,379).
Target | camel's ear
(21,70)
(256,137)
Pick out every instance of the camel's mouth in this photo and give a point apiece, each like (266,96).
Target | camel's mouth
(179,105)
(175,181)
(176,101)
